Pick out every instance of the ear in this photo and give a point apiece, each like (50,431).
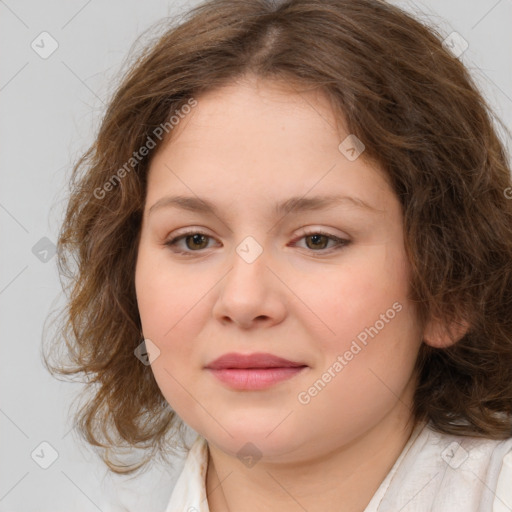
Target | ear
(438,337)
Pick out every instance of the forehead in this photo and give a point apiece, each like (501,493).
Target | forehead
(252,112)
(260,139)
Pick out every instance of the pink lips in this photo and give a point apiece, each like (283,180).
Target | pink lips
(253,371)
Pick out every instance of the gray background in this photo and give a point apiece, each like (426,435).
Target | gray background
(50,110)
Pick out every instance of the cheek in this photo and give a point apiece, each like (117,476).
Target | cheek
(367,289)
(172,308)
(163,297)
(358,383)
(368,320)
(166,314)
(153,298)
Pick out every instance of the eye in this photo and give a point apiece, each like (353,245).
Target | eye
(319,240)
(196,241)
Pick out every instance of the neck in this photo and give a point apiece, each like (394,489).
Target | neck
(343,479)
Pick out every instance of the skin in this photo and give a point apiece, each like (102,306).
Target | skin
(245,147)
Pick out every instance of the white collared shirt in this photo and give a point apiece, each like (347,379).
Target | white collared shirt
(434,473)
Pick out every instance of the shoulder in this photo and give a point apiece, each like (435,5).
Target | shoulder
(483,464)
(149,490)
(503,500)
(465,450)
(440,472)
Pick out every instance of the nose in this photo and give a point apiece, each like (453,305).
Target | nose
(251,294)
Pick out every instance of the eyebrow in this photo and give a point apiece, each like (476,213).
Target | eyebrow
(197,204)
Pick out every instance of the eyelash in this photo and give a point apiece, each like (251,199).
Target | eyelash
(340,241)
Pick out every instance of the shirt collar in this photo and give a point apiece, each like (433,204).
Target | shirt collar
(189,494)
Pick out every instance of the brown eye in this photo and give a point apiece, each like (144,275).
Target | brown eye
(318,241)
(194,241)
(197,239)
(189,243)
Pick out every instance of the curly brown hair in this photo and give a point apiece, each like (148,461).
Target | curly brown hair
(420,116)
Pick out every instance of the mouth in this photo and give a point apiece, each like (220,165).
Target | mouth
(254,371)
(257,360)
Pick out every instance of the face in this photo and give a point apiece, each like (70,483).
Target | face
(321,285)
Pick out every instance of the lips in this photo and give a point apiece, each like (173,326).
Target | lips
(252,361)
(253,372)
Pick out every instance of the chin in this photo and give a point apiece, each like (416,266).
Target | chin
(247,440)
